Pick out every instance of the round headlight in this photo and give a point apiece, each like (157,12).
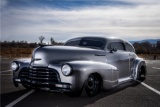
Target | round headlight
(66,69)
(14,66)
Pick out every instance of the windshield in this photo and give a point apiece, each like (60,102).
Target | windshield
(89,43)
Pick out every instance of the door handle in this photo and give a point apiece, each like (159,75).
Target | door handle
(99,54)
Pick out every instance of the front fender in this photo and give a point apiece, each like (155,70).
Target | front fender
(82,69)
(23,64)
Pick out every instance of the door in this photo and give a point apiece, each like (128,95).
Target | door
(119,57)
(132,56)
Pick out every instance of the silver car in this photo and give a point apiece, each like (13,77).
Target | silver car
(89,63)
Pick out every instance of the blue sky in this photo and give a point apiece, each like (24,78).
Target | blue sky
(65,19)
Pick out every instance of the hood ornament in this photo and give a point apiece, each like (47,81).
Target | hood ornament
(34,59)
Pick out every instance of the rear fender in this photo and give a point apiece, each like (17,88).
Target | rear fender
(138,62)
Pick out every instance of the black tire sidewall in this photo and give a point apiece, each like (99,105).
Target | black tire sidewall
(97,87)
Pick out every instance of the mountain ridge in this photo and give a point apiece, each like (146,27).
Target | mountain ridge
(152,41)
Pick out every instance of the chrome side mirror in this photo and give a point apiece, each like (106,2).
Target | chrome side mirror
(113,50)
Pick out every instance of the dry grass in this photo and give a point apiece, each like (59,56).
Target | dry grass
(26,52)
(149,56)
(16,52)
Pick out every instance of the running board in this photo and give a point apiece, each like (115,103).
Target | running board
(125,80)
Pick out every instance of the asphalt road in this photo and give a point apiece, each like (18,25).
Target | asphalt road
(141,94)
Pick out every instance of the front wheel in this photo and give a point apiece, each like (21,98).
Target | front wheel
(92,85)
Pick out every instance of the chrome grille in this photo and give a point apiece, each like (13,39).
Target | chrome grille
(43,74)
(24,73)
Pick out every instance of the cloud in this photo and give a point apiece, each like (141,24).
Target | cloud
(136,22)
(3,3)
(141,1)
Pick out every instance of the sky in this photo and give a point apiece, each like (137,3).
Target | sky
(64,19)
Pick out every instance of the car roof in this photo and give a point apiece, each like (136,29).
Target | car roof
(102,37)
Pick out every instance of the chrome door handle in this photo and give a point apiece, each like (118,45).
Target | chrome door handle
(99,54)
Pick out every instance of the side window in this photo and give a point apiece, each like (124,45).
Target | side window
(109,46)
(117,45)
(129,47)
(73,43)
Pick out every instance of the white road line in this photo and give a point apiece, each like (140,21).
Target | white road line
(155,68)
(149,87)
(19,99)
(5,71)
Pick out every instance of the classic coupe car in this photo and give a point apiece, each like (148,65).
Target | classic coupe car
(84,63)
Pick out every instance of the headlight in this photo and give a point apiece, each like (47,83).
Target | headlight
(14,66)
(66,70)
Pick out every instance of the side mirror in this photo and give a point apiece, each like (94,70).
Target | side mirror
(113,50)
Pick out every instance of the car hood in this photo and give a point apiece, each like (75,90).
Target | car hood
(44,55)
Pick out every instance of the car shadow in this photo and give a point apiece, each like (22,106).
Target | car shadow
(123,86)
(50,99)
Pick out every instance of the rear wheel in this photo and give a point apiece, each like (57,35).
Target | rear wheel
(141,72)
(92,85)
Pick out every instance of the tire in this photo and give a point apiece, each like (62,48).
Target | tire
(139,74)
(141,71)
(92,85)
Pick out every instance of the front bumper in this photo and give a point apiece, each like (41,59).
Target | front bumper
(48,86)
(41,78)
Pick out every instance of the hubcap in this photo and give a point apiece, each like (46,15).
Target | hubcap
(92,84)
